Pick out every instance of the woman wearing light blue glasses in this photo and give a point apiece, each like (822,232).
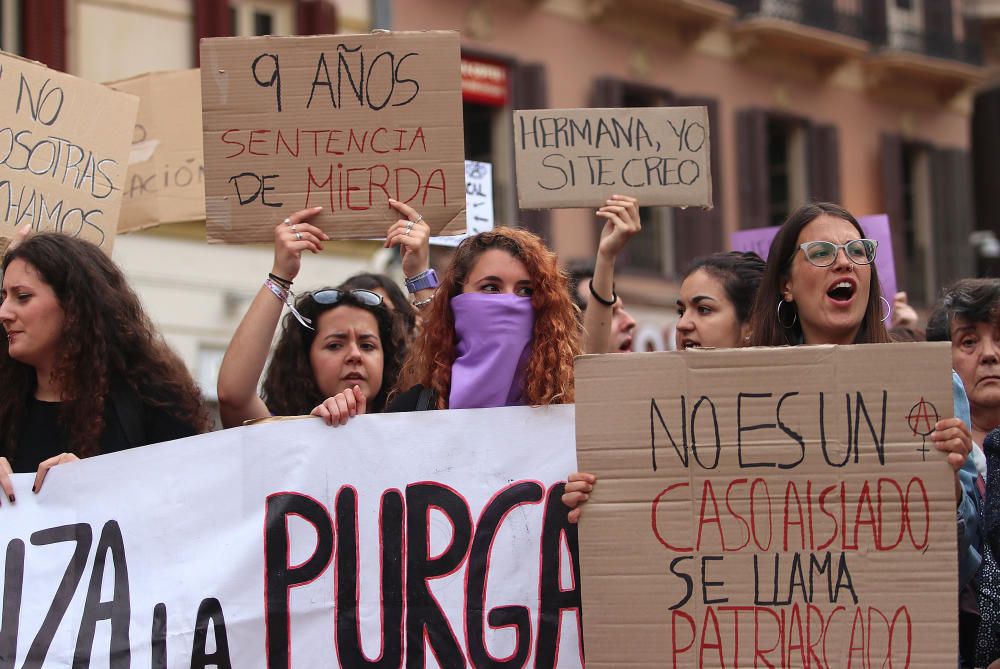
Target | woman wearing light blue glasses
(821,287)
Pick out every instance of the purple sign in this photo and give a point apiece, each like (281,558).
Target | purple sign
(876,227)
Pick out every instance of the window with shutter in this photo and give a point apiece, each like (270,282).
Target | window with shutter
(43,32)
(699,232)
(315,17)
(823,151)
(986,159)
(754,179)
(951,210)
(212,18)
(909,201)
(653,250)
(251,18)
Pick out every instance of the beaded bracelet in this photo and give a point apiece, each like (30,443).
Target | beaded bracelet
(285,295)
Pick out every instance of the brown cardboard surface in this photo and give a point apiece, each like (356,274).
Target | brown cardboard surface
(166,172)
(64,145)
(344,122)
(581,157)
(774,409)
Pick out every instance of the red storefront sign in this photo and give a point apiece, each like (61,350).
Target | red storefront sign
(484,82)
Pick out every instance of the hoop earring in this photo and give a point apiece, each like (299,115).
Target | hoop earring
(888,309)
(795,317)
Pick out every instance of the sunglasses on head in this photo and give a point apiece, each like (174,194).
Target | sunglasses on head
(334,296)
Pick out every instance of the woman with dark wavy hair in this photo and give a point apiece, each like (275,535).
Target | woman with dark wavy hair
(340,349)
(500,331)
(309,365)
(83,371)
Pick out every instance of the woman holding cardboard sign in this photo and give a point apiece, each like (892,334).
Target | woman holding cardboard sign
(83,371)
(339,348)
(821,287)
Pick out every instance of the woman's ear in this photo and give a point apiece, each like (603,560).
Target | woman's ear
(745,334)
(785,286)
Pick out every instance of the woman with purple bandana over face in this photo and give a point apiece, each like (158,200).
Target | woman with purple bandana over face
(500,330)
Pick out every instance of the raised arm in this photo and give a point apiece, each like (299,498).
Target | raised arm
(622,223)
(244,361)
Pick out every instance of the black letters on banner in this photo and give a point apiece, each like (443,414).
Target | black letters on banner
(423,614)
(517,617)
(13,583)
(158,637)
(118,610)
(280,577)
(348,635)
(554,600)
(84,537)
(210,611)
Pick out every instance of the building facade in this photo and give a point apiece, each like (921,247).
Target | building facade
(865,102)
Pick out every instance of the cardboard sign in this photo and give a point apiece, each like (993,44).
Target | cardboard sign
(64,145)
(768,507)
(166,172)
(478,203)
(429,539)
(344,122)
(581,157)
(876,227)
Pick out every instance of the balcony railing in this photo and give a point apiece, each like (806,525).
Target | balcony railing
(840,17)
(929,44)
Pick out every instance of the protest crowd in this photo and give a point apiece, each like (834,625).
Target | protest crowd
(85,373)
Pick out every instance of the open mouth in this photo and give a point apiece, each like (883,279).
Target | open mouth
(626,346)
(842,291)
(689,343)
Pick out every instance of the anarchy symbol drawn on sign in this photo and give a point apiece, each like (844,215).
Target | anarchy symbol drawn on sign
(921,419)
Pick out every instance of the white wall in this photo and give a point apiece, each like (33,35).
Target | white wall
(115,40)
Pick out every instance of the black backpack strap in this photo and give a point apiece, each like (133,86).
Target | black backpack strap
(129,412)
(425,399)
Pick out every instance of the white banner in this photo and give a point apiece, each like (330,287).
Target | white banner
(431,539)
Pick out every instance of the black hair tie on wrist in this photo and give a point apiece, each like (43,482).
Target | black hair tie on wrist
(285,283)
(607,303)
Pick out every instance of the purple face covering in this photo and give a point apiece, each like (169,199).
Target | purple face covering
(494,341)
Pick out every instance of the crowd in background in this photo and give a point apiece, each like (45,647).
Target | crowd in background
(84,371)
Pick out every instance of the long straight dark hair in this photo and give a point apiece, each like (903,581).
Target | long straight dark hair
(766,330)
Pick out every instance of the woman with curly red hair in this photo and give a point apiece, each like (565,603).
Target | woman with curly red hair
(84,371)
(500,330)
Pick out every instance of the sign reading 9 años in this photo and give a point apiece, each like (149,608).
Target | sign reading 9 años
(341,122)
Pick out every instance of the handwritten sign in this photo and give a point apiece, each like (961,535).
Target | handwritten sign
(876,227)
(64,145)
(432,539)
(166,172)
(768,507)
(478,203)
(581,157)
(344,122)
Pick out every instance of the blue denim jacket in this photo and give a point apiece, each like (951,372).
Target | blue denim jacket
(969,509)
